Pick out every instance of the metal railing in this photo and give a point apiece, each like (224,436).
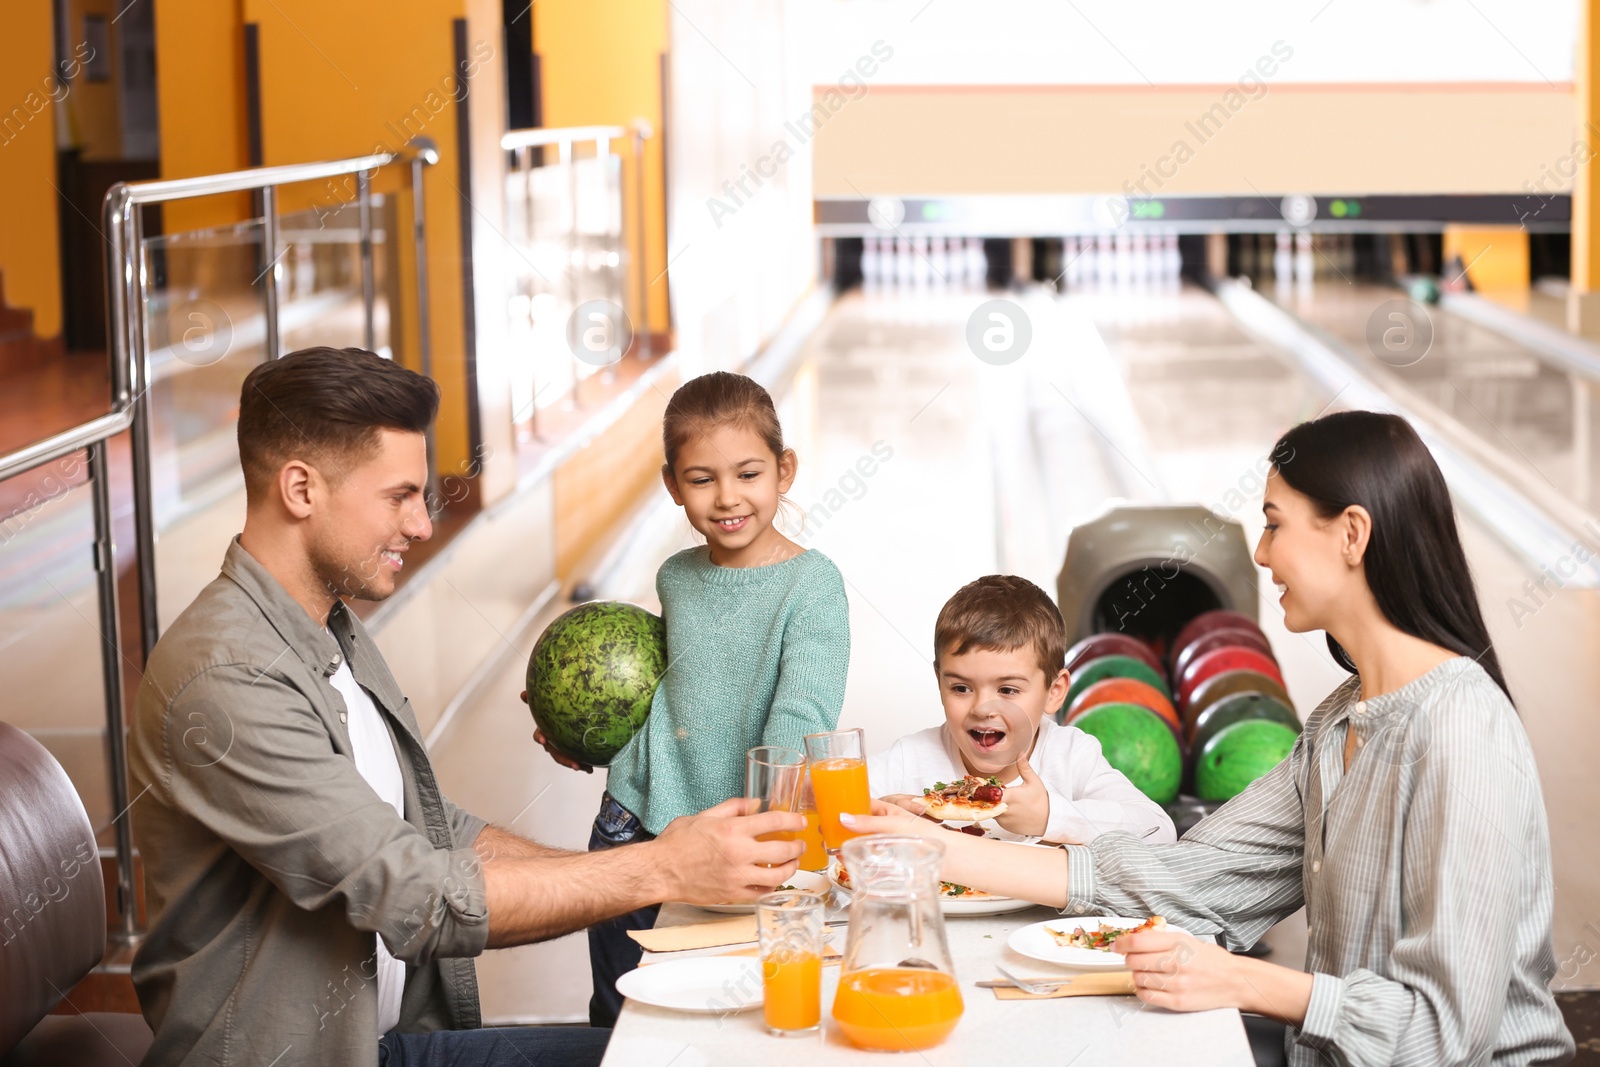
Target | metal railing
(526,148)
(126,287)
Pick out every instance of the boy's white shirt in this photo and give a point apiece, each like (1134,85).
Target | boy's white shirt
(1088,796)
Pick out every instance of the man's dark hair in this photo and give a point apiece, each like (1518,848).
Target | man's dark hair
(326,406)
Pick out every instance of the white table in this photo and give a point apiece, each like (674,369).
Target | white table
(1085,1030)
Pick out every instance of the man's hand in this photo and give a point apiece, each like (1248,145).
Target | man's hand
(714,857)
(1027,805)
(544,742)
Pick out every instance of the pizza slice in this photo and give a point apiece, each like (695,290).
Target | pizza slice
(1101,940)
(969,799)
(841,875)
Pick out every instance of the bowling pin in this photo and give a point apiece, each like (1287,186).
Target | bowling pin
(1105,268)
(902,262)
(869,263)
(1283,260)
(1304,263)
(1140,264)
(1172,261)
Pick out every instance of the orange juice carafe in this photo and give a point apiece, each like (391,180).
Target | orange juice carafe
(897,986)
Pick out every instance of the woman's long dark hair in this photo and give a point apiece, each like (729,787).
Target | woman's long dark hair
(1414,563)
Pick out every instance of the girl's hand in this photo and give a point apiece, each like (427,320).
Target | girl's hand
(1027,805)
(1179,972)
(544,743)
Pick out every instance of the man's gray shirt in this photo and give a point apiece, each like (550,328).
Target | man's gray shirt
(270,864)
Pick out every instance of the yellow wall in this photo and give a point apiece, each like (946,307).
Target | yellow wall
(340,79)
(201,93)
(1586,182)
(600,64)
(29,257)
(1496,257)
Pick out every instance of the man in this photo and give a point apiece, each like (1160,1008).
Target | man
(314,899)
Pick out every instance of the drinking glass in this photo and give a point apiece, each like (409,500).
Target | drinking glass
(789,925)
(773,776)
(815,857)
(839,779)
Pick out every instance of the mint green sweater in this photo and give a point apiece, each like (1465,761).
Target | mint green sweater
(756,656)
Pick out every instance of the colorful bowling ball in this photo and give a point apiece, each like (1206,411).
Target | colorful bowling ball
(1239,754)
(1115,667)
(1123,691)
(1137,742)
(1235,637)
(1227,684)
(1237,708)
(1098,645)
(1424,290)
(1219,660)
(1207,621)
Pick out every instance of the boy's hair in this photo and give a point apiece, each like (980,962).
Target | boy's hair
(326,406)
(1001,613)
(720,398)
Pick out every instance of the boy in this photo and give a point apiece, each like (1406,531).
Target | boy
(999,645)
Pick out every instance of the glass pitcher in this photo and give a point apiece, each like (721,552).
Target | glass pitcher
(897,986)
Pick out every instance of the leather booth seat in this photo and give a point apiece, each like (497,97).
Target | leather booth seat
(52,918)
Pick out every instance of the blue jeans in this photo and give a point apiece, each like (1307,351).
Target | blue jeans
(612,953)
(515,1046)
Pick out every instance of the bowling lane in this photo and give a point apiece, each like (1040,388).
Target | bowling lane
(1475,382)
(1213,400)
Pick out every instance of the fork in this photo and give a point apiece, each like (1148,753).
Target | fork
(1032,988)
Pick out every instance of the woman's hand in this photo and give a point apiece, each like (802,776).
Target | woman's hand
(1180,972)
(890,816)
(915,805)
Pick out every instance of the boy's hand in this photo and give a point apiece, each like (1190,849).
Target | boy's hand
(1027,805)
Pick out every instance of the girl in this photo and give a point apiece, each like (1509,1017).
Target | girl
(1407,820)
(758,640)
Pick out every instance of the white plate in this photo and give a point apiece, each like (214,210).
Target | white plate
(807,881)
(707,985)
(1035,941)
(986,904)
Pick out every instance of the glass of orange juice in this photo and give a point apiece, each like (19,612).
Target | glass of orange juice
(789,925)
(839,780)
(815,857)
(773,775)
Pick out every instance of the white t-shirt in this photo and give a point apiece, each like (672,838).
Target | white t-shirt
(1088,796)
(378,764)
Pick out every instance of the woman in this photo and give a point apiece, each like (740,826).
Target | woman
(1407,820)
